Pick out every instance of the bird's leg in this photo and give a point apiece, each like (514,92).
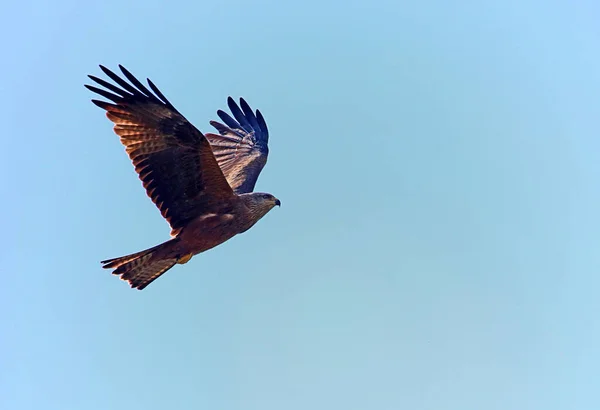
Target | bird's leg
(185,258)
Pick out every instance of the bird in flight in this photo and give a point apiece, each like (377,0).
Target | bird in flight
(202,183)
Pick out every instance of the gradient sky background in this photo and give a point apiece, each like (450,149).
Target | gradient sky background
(438,246)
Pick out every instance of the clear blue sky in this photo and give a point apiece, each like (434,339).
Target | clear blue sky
(438,246)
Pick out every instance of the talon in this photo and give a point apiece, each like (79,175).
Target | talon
(185,258)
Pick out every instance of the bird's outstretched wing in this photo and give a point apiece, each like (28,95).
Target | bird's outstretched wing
(173,159)
(241,147)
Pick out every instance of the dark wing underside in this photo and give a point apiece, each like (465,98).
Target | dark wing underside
(241,147)
(173,159)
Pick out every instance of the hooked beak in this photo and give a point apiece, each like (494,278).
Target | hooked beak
(277,202)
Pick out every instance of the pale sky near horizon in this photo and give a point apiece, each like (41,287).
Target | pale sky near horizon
(438,241)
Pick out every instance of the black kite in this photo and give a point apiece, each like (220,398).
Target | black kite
(202,184)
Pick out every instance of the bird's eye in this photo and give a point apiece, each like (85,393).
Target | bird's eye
(266,196)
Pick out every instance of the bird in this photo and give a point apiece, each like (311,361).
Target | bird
(202,184)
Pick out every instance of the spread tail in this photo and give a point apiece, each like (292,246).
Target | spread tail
(142,268)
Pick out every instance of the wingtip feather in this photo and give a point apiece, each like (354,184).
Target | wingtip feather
(102,104)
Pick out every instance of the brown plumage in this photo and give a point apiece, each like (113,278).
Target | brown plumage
(202,187)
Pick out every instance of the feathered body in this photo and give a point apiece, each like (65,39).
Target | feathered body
(202,188)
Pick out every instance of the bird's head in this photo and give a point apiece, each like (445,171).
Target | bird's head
(266,200)
(260,203)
